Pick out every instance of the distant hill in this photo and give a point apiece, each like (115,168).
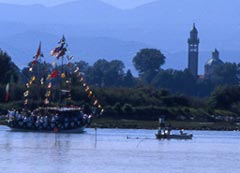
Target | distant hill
(96,30)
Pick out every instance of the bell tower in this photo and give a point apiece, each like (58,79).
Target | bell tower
(193,43)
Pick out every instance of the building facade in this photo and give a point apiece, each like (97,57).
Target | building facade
(211,64)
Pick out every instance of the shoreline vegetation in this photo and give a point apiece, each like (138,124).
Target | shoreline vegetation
(141,124)
(177,125)
(129,102)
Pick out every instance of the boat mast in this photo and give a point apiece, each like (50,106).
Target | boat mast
(61,85)
(62,50)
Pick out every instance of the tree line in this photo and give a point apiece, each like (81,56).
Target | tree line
(153,92)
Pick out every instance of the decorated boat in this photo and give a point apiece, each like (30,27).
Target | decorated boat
(61,116)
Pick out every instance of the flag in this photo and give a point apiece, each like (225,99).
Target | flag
(76,70)
(54,74)
(38,53)
(27,85)
(87,88)
(101,111)
(42,81)
(49,85)
(95,102)
(63,75)
(7,92)
(46,101)
(26,93)
(54,51)
(90,93)
(25,101)
(60,50)
(69,58)
(62,41)
(34,62)
(61,53)
(48,94)
(33,78)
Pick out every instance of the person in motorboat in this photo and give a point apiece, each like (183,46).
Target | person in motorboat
(182,132)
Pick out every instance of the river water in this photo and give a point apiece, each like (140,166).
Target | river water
(118,151)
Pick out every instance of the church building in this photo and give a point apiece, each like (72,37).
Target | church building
(193,52)
(211,64)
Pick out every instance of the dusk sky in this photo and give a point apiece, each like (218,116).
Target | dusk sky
(118,3)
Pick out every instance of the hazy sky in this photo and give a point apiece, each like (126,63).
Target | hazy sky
(118,3)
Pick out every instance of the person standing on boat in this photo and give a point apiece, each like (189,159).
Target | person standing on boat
(161,129)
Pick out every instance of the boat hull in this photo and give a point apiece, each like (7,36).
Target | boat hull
(51,119)
(174,136)
(75,130)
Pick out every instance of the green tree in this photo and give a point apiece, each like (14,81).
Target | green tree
(129,80)
(83,66)
(104,73)
(114,74)
(8,70)
(223,97)
(226,74)
(94,74)
(148,62)
(175,80)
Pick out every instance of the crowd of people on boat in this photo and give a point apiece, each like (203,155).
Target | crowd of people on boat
(47,120)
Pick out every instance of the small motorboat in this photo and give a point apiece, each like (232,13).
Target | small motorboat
(164,132)
(174,136)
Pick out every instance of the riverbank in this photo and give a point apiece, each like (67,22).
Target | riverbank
(136,124)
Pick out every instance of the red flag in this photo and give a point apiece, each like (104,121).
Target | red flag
(34,62)
(54,74)
(38,53)
(7,93)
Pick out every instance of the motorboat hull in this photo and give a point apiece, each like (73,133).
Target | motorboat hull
(174,136)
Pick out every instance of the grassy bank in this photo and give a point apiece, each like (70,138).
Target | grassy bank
(135,124)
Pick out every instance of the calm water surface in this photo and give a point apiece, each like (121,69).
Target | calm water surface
(111,152)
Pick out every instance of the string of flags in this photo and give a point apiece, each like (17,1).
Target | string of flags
(88,90)
(59,51)
(36,58)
